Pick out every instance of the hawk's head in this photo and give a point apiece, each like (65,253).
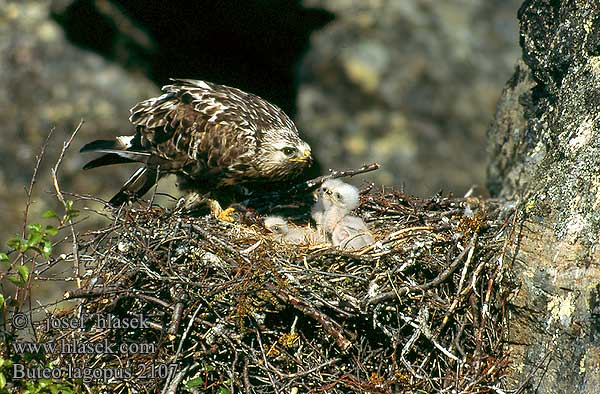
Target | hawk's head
(282,154)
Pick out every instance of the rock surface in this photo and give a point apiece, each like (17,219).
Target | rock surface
(545,144)
(48,83)
(412,84)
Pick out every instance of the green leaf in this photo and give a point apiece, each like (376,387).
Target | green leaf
(3,257)
(23,272)
(15,243)
(49,214)
(1,306)
(2,380)
(51,230)
(43,383)
(34,238)
(194,382)
(36,228)
(17,281)
(47,248)
(64,389)
(224,390)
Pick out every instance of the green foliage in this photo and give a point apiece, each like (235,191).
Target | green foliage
(70,211)
(49,214)
(44,386)
(194,382)
(37,239)
(38,386)
(21,279)
(4,366)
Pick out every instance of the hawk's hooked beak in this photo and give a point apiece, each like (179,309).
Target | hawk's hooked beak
(306,157)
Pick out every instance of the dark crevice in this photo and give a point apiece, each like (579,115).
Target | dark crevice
(255,45)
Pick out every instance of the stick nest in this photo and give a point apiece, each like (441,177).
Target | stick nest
(421,310)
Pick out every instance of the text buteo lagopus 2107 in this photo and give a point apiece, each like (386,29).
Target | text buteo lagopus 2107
(211,136)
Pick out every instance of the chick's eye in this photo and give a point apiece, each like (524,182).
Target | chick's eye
(288,151)
(338,196)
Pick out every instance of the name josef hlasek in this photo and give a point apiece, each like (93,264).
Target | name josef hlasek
(105,322)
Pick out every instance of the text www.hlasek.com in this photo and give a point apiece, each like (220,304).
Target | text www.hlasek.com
(75,347)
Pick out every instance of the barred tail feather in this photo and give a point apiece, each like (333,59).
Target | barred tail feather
(119,150)
(136,186)
(119,143)
(107,160)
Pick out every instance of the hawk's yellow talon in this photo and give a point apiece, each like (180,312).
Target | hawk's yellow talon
(226,215)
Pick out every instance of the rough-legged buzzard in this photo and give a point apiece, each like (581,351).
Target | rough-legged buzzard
(212,137)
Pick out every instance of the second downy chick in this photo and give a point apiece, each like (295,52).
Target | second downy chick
(339,199)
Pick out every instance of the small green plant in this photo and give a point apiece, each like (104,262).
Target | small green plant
(37,239)
(35,243)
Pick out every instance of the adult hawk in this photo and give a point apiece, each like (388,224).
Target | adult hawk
(213,137)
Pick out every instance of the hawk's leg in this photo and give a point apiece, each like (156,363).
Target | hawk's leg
(196,202)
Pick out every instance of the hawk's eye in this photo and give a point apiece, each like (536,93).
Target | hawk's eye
(288,151)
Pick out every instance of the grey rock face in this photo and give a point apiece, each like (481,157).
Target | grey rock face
(46,82)
(545,137)
(411,84)
(545,145)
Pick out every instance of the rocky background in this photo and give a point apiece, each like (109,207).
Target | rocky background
(410,84)
(48,83)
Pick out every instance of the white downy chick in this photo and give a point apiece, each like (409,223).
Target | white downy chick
(346,230)
(318,212)
(295,235)
(318,209)
(338,200)
(351,233)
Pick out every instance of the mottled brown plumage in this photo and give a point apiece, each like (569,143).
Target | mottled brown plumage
(212,137)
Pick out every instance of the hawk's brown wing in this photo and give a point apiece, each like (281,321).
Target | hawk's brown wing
(191,129)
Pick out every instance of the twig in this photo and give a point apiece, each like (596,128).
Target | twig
(29,193)
(425,286)
(324,320)
(171,385)
(61,198)
(176,319)
(34,180)
(259,199)
(314,183)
